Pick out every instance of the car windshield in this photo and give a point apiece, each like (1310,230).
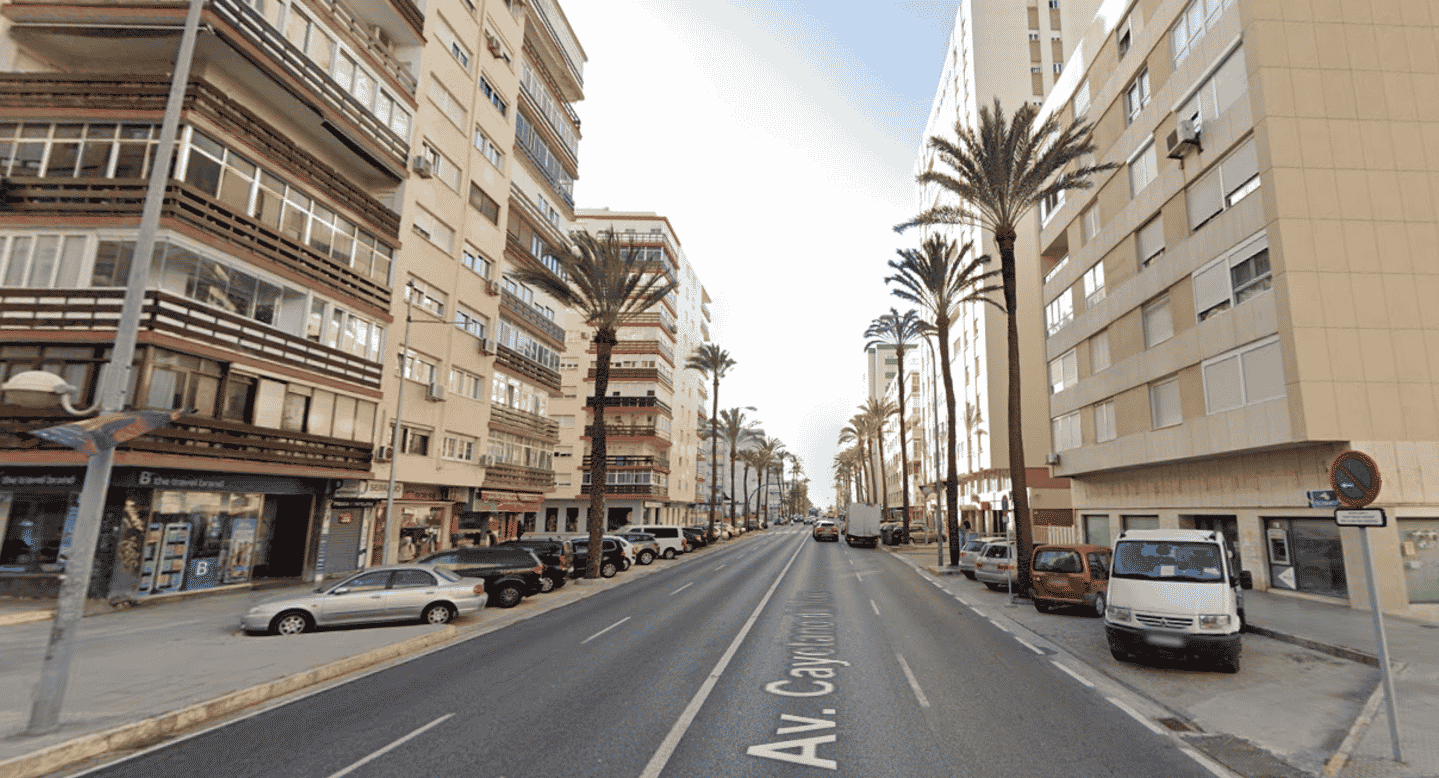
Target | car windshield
(1158,560)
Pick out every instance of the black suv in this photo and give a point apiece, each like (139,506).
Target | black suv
(510,574)
(698,536)
(612,559)
(554,554)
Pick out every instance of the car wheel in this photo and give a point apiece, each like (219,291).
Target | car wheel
(547,584)
(669,553)
(1042,606)
(968,574)
(608,570)
(438,613)
(645,557)
(625,565)
(292,623)
(1099,605)
(509,595)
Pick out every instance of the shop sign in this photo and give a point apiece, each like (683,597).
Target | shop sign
(1323,498)
(366,490)
(526,497)
(210,482)
(419,492)
(10,479)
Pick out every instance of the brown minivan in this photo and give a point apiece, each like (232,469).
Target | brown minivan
(1065,575)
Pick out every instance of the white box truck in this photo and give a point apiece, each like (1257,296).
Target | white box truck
(862,528)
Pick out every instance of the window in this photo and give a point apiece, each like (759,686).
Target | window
(546,210)
(1081,100)
(519,341)
(471,322)
(1058,313)
(460,449)
(52,260)
(1150,240)
(488,148)
(1164,408)
(1233,278)
(68,150)
(1143,168)
(418,368)
(1125,39)
(425,297)
(443,168)
(1094,285)
(1247,375)
(1104,426)
(466,384)
(538,149)
(1099,351)
(511,449)
(471,258)
(1065,430)
(1058,66)
(414,440)
(1229,83)
(1089,222)
(1158,323)
(494,96)
(1226,184)
(1063,371)
(452,42)
(1049,205)
(434,230)
(1136,96)
(448,104)
(486,205)
(1197,18)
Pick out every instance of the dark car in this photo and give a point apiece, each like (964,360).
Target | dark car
(612,558)
(556,556)
(699,537)
(510,574)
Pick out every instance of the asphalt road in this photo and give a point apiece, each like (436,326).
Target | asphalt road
(777,656)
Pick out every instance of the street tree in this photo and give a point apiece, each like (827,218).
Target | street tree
(715,363)
(875,415)
(899,330)
(736,429)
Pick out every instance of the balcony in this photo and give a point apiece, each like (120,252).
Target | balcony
(554,39)
(197,436)
(642,347)
(631,490)
(518,364)
(524,424)
(104,198)
(533,318)
(98,310)
(529,479)
(617,431)
(630,402)
(647,462)
(654,374)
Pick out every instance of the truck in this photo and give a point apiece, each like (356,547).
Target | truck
(862,527)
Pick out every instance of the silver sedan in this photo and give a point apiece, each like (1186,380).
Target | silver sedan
(426,593)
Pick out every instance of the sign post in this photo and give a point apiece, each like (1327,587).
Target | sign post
(1356,482)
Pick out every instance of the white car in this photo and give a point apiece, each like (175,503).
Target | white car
(672,541)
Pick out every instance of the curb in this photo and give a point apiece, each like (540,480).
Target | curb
(142,733)
(1358,729)
(25,617)
(1342,652)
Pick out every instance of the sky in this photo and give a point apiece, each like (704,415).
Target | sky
(779,138)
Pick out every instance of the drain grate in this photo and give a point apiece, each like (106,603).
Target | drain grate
(1178,725)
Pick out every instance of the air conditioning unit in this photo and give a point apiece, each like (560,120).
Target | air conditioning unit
(493,287)
(423,167)
(383,454)
(435,391)
(487,460)
(1052,458)
(493,42)
(486,347)
(382,39)
(1185,135)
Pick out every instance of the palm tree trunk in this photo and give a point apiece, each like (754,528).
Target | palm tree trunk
(883,474)
(714,453)
(604,345)
(731,480)
(951,479)
(1018,476)
(903,448)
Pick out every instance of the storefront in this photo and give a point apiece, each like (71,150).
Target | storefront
(426,521)
(37,508)
(1306,555)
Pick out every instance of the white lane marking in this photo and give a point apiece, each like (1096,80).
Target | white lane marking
(913,682)
(389,748)
(1208,764)
(876,607)
(997,624)
(1139,717)
(720,567)
(603,631)
(1028,645)
(858,577)
(937,584)
(1072,674)
(672,740)
(682,588)
(962,601)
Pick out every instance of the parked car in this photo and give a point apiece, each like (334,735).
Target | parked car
(647,546)
(556,555)
(826,530)
(511,574)
(672,541)
(919,532)
(1065,575)
(391,593)
(995,565)
(699,536)
(612,558)
(889,532)
(969,552)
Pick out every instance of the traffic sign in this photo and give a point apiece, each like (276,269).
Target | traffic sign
(1355,478)
(1365,517)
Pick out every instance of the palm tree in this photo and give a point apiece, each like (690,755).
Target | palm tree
(938,278)
(609,284)
(715,362)
(735,428)
(898,330)
(750,460)
(851,433)
(875,414)
(765,452)
(1002,170)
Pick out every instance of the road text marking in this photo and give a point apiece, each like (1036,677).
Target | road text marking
(682,588)
(390,747)
(913,682)
(603,631)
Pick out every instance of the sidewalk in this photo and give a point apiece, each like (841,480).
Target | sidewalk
(1365,750)
(142,674)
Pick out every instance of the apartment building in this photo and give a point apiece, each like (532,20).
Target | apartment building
(653,405)
(1242,299)
(987,59)
(913,419)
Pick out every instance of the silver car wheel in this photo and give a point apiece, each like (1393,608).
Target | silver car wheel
(646,557)
(291,624)
(547,584)
(669,553)
(1099,605)
(438,614)
(608,570)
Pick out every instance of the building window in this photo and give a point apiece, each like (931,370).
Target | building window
(1197,18)
(489,149)
(1049,205)
(1419,548)
(466,384)
(417,368)
(522,343)
(1247,375)
(1099,351)
(1089,222)
(1093,285)
(1136,96)
(448,104)
(1233,278)
(1063,371)
(434,230)
(1059,312)
(1164,410)
(442,167)
(425,297)
(538,149)
(1150,240)
(1058,66)
(1065,430)
(414,440)
(1158,323)
(471,322)
(1229,83)
(1125,36)
(546,210)
(486,205)
(1081,100)
(493,95)
(1104,425)
(471,258)
(459,449)
(458,50)
(1143,168)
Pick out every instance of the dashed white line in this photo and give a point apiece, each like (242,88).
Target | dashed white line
(1072,674)
(962,601)
(1028,645)
(603,631)
(858,577)
(1139,717)
(390,747)
(682,588)
(876,607)
(997,624)
(913,683)
(721,567)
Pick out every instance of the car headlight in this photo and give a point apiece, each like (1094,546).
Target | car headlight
(1118,614)
(1213,620)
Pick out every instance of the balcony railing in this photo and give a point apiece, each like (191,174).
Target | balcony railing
(633,490)
(513,360)
(554,23)
(197,436)
(98,310)
(505,476)
(526,424)
(630,402)
(532,317)
(652,462)
(656,374)
(94,197)
(642,347)
(629,431)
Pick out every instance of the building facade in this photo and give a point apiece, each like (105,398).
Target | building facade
(1242,299)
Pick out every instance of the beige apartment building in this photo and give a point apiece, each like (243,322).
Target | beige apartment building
(988,58)
(1243,298)
(653,408)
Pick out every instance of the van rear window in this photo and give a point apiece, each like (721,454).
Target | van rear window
(1058,560)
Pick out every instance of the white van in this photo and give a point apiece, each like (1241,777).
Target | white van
(672,541)
(1176,592)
